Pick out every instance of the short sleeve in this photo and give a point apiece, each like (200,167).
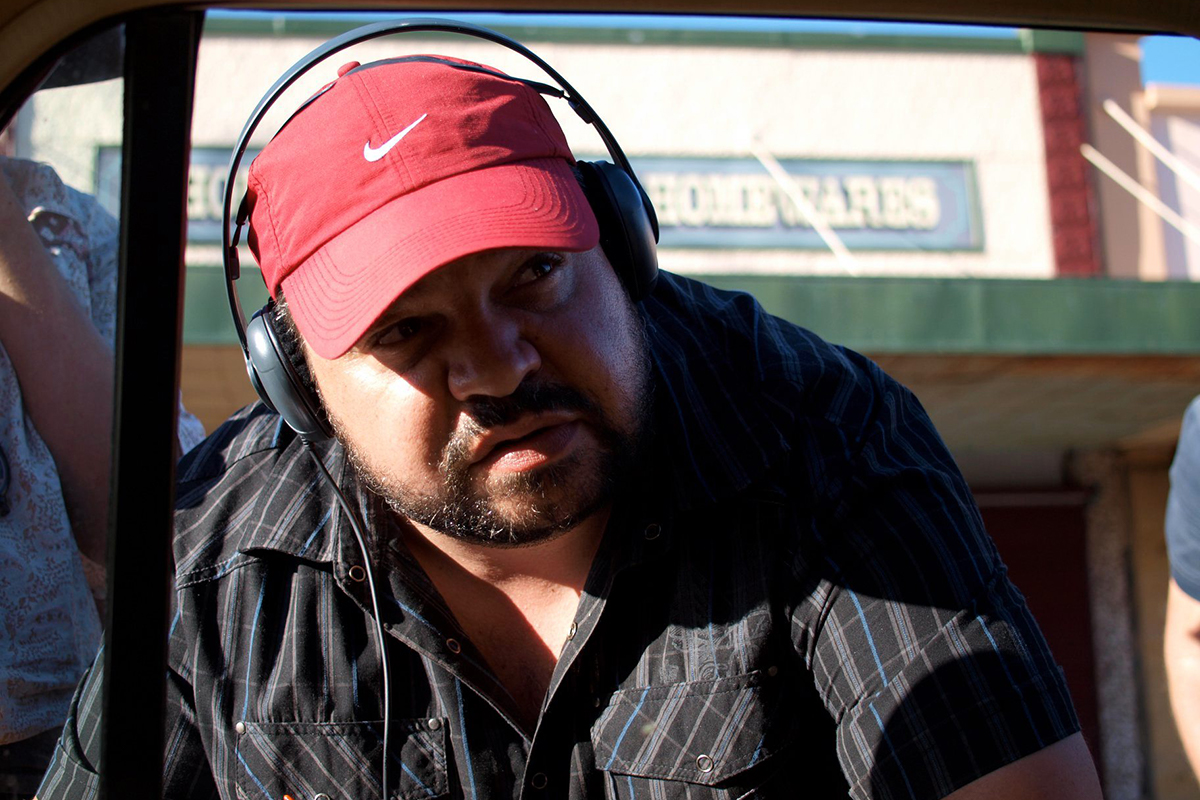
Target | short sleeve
(72,772)
(925,654)
(1183,505)
(73,769)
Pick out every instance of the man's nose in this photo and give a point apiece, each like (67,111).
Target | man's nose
(490,357)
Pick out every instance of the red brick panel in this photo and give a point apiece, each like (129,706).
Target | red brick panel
(1072,207)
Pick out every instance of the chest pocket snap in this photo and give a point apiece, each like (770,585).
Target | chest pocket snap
(340,760)
(718,733)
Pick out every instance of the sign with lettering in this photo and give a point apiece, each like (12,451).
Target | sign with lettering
(728,202)
(870,205)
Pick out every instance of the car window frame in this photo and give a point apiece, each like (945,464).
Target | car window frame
(161,51)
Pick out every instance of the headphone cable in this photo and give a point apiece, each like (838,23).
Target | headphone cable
(369,568)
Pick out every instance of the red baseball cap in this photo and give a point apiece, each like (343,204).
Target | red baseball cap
(395,169)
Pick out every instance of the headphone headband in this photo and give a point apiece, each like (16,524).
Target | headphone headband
(230,233)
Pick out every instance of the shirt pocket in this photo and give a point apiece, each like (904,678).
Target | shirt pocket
(340,760)
(697,739)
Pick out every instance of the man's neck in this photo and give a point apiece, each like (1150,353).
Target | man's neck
(517,605)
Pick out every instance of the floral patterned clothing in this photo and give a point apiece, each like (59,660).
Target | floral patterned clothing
(50,625)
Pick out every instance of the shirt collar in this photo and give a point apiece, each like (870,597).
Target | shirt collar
(297,511)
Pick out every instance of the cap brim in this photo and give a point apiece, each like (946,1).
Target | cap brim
(337,293)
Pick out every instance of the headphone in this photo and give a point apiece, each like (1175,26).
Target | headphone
(628,224)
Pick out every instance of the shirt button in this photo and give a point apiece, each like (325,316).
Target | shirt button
(652,532)
(772,671)
(434,724)
(358,574)
(596,702)
(705,763)
(240,728)
(539,781)
(453,646)
(321,796)
(571,632)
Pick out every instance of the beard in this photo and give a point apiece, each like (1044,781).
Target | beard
(527,507)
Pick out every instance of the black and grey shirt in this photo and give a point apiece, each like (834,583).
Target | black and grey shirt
(796,600)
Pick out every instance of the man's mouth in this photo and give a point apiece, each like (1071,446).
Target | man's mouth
(528,443)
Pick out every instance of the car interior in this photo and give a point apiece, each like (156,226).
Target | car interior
(151,49)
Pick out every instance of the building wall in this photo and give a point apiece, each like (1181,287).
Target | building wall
(856,104)
(668,100)
(1128,231)
(1174,114)
(65,126)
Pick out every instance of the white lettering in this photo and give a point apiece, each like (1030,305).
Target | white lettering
(924,207)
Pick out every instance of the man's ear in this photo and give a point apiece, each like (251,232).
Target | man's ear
(281,375)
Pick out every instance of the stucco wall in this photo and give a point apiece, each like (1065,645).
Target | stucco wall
(674,100)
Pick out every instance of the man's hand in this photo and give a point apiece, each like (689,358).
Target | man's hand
(64,368)
(1181,648)
(1062,771)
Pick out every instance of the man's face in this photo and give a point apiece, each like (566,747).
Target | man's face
(500,398)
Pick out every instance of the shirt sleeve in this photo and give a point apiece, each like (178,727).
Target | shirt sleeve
(925,654)
(72,772)
(1183,506)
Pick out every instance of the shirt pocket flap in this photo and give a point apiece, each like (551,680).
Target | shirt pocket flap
(702,732)
(341,759)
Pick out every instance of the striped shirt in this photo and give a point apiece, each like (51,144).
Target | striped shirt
(796,597)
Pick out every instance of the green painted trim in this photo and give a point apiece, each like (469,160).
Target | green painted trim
(1026,42)
(896,315)
(1037,40)
(986,316)
(206,306)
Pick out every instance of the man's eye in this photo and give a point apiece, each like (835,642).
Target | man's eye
(538,267)
(401,332)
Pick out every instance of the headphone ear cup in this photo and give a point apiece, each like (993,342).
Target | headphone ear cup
(277,382)
(628,226)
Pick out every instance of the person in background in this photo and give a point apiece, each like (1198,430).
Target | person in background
(1181,637)
(58,298)
(58,288)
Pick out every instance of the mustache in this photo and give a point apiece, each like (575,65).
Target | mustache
(485,413)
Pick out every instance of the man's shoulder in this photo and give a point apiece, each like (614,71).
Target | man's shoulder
(781,366)
(743,392)
(230,490)
(251,434)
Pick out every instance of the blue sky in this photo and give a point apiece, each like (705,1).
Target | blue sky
(1171,59)
(861,28)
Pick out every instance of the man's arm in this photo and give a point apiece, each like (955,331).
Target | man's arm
(65,370)
(1181,647)
(73,772)
(928,658)
(1062,771)
(1181,636)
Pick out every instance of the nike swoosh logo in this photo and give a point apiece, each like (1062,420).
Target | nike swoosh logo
(376,153)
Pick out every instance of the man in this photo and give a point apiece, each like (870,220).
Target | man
(1181,638)
(675,549)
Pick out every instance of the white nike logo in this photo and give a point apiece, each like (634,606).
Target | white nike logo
(376,153)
